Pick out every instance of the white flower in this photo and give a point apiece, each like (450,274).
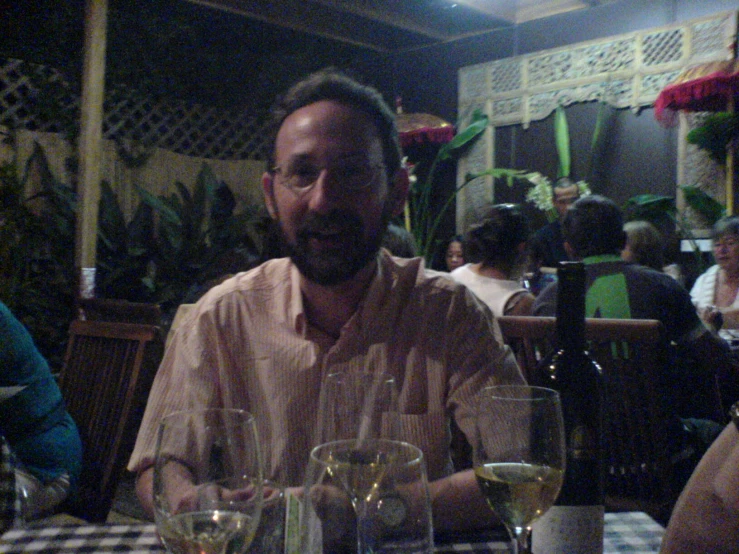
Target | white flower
(583,188)
(541,193)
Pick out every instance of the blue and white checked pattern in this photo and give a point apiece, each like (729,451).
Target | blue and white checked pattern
(633,532)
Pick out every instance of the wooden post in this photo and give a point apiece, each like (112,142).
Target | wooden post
(90,144)
(730,164)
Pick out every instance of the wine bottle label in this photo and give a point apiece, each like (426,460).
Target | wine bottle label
(570,529)
(582,444)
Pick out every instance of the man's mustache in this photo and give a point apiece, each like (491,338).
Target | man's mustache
(320,223)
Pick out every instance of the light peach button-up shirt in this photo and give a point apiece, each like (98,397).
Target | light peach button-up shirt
(247,344)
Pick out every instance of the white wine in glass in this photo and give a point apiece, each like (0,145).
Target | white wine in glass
(519,455)
(207,482)
(385,483)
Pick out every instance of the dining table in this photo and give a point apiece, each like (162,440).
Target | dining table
(633,532)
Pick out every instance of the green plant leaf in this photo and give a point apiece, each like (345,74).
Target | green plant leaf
(163,208)
(710,208)
(476,127)
(562,141)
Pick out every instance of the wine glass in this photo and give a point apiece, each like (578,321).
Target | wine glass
(384,481)
(359,405)
(519,455)
(207,481)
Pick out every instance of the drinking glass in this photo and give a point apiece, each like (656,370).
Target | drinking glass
(519,455)
(207,481)
(359,406)
(385,483)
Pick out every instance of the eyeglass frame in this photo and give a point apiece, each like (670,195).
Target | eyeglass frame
(301,191)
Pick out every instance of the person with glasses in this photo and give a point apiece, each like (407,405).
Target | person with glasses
(714,293)
(497,245)
(264,339)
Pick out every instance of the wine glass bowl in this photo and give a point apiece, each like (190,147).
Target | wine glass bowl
(358,405)
(207,481)
(519,455)
(385,483)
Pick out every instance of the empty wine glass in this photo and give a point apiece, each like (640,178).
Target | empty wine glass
(360,406)
(385,483)
(207,481)
(519,455)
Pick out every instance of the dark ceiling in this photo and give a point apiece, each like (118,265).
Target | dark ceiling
(395,25)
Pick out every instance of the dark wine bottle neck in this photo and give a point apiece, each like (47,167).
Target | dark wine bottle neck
(571,306)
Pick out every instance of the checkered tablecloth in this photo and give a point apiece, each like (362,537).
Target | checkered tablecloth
(632,532)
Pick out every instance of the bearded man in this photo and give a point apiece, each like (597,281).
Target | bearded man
(265,339)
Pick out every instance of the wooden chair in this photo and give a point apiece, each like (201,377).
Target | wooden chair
(105,387)
(123,311)
(631,354)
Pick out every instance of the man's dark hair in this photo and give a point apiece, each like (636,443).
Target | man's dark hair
(593,226)
(331,84)
(493,241)
(399,241)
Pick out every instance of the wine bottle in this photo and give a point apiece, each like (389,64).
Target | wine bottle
(575,523)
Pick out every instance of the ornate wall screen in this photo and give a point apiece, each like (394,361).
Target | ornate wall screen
(625,71)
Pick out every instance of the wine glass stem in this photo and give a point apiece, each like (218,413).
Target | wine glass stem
(523,540)
(362,546)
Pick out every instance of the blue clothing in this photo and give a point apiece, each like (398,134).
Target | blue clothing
(34,421)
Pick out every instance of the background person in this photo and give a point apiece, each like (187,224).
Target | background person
(399,241)
(593,232)
(498,246)
(548,241)
(450,254)
(645,246)
(264,340)
(715,291)
(41,434)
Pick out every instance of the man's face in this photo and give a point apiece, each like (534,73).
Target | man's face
(333,222)
(564,197)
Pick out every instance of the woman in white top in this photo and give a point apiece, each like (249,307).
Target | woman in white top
(497,246)
(715,292)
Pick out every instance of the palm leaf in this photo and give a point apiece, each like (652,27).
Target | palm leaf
(562,141)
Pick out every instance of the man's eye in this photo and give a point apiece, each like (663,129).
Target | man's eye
(305,173)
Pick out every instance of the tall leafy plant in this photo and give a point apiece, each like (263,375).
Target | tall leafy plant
(198,237)
(37,275)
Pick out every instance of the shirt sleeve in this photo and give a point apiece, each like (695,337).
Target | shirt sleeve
(186,379)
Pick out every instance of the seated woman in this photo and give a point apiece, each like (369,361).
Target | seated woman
(497,245)
(450,255)
(645,246)
(715,291)
(34,422)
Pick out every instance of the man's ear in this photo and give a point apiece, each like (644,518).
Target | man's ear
(268,189)
(398,191)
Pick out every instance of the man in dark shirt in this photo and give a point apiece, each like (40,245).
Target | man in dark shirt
(593,233)
(548,240)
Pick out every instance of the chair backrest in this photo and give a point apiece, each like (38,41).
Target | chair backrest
(123,311)
(104,386)
(631,353)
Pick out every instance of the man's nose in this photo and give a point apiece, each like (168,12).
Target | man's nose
(325,193)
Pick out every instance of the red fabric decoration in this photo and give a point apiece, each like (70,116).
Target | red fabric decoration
(704,88)
(436,135)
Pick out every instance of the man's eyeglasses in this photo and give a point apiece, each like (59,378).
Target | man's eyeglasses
(353,176)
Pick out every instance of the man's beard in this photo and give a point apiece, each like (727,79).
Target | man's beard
(333,266)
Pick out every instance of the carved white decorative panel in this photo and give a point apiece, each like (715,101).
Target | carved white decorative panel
(625,71)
